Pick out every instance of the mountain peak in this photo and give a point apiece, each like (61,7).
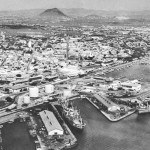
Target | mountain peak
(54,12)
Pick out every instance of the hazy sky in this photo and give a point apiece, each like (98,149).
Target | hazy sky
(89,4)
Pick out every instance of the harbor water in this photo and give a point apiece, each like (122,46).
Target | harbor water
(131,133)
(135,72)
(16,137)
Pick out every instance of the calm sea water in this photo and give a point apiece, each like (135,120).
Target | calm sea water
(132,133)
(135,72)
(16,137)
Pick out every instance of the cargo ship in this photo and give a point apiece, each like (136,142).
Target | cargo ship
(73,117)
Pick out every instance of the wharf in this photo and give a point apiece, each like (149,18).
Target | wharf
(74,140)
(10,116)
(110,117)
(7,116)
(69,139)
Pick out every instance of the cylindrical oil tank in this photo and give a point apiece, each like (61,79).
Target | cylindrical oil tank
(34,92)
(63,64)
(26,100)
(49,88)
(67,93)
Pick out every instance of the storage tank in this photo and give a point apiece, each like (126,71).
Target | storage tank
(67,93)
(26,100)
(12,106)
(34,92)
(49,88)
(113,108)
(63,64)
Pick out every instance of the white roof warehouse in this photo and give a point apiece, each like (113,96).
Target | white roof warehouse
(51,123)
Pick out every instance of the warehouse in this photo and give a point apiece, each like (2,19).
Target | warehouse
(51,123)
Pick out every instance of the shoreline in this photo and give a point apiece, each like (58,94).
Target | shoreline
(107,116)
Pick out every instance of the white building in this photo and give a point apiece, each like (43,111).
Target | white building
(51,123)
(131,86)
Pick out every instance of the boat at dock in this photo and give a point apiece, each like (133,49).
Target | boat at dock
(73,117)
(32,133)
(144,108)
(11,121)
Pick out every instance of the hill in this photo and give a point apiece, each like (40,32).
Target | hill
(53,13)
(92,17)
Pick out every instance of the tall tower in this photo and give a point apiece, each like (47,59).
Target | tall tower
(3,36)
(30,45)
(31,57)
(67,48)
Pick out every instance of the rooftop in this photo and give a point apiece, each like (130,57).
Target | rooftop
(50,121)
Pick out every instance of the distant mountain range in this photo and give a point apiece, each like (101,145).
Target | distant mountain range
(81,13)
(92,17)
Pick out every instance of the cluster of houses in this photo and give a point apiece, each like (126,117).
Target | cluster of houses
(105,45)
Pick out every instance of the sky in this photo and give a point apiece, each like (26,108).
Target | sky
(88,4)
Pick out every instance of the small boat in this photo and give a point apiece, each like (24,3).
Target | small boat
(32,133)
(143,109)
(10,121)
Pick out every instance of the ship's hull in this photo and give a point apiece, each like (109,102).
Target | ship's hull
(74,126)
(71,122)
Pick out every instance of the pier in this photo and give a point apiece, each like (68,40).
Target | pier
(108,104)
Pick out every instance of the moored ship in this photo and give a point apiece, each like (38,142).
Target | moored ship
(73,117)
